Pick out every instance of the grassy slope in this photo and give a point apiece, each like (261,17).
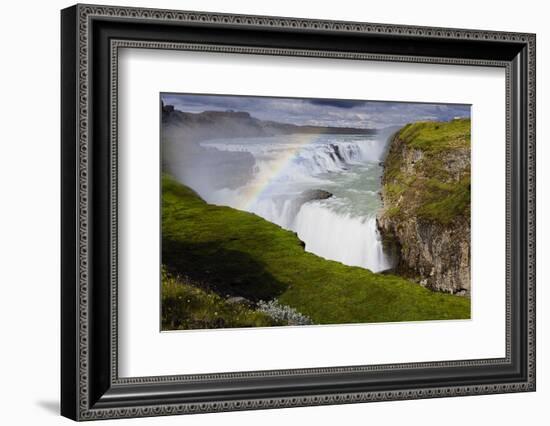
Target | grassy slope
(237,253)
(434,136)
(431,192)
(185,307)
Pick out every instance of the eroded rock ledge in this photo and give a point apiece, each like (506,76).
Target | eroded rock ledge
(425,219)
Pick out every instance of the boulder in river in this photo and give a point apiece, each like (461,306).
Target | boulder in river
(314,195)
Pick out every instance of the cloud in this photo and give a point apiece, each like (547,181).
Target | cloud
(321,112)
(337,103)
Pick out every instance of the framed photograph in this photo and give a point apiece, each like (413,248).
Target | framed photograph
(263,212)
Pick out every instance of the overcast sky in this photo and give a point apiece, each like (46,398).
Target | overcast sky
(320,112)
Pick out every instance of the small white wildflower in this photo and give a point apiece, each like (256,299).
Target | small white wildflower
(284,313)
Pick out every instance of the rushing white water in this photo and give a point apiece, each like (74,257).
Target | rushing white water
(291,171)
(351,240)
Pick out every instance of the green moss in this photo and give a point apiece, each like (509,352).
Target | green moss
(437,136)
(186,306)
(236,253)
(394,211)
(445,202)
(392,165)
(395,188)
(428,191)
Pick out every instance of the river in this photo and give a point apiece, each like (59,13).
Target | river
(290,176)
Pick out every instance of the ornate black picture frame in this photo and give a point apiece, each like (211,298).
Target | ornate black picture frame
(91,36)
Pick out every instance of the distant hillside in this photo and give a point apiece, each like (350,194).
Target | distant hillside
(215,124)
(207,168)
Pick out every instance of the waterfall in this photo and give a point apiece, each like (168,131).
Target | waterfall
(354,241)
(341,228)
(334,235)
(304,157)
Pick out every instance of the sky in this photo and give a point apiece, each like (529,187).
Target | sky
(320,112)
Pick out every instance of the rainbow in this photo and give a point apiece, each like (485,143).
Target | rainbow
(251,193)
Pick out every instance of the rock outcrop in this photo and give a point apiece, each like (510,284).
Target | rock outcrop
(425,219)
(314,195)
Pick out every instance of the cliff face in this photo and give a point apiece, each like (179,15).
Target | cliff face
(425,218)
